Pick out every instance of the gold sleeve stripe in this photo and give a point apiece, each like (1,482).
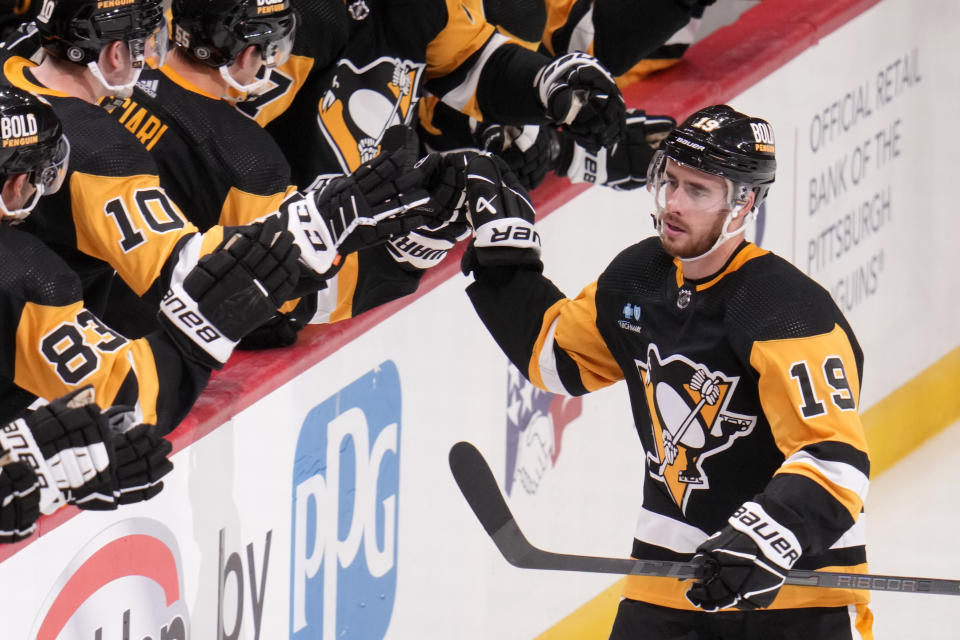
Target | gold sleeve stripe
(465,33)
(464,96)
(669,592)
(111,226)
(572,325)
(140,357)
(793,380)
(577,334)
(211,239)
(850,499)
(557,13)
(241,207)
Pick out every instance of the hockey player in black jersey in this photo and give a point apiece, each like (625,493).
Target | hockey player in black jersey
(220,166)
(631,39)
(744,378)
(55,344)
(116,215)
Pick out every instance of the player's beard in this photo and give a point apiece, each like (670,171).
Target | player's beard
(693,247)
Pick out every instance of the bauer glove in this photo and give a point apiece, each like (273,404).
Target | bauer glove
(502,218)
(231,291)
(581,96)
(745,563)
(625,167)
(384,198)
(19,500)
(87,458)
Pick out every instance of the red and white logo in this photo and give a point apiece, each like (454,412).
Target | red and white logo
(125,583)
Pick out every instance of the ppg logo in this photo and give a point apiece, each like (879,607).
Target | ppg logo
(345,485)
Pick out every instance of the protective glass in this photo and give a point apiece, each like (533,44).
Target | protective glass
(156,46)
(692,196)
(49,178)
(277,52)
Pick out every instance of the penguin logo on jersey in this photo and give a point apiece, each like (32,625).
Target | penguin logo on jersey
(362,104)
(690,420)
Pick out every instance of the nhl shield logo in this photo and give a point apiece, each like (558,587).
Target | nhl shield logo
(690,420)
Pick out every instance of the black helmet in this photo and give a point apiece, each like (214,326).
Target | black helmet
(31,142)
(77,30)
(727,143)
(215,32)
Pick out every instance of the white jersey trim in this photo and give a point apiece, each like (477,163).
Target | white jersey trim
(855,536)
(661,531)
(839,473)
(548,363)
(459,96)
(582,37)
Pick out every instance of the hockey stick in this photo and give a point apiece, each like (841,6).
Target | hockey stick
(479,487)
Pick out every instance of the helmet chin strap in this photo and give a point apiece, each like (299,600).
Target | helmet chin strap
(19,215)
(115,90)
(726,233)
(255,88)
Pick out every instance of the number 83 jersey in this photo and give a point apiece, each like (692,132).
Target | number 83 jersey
(744,386)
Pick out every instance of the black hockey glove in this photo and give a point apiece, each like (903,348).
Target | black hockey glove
(530,151)
(231,291)
(746,562)
(502,218)
(19,500)
(84,457)
(141,459)
(582,96)
(384,198)
(626,167)
(427,245)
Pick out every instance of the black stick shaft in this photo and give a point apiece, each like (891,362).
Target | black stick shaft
(479,487)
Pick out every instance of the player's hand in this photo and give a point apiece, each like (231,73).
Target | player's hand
(87,458)
(141,460)
(530,151)
(502,218)
(19,500)
(746,562)
(582,97)
(382,199)
(625,167)
(427,245)
(231,291)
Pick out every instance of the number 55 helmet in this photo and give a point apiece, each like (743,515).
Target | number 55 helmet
(31,142)
(726,143)
(76,30)
(215,33)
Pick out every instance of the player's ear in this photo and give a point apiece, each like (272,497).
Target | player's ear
(12,192)
(250,58)
(114,56)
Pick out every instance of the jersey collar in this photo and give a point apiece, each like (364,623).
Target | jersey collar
(175,77)
(17,72)
(744,253)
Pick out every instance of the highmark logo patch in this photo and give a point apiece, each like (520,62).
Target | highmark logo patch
(345,490)
(631,318)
